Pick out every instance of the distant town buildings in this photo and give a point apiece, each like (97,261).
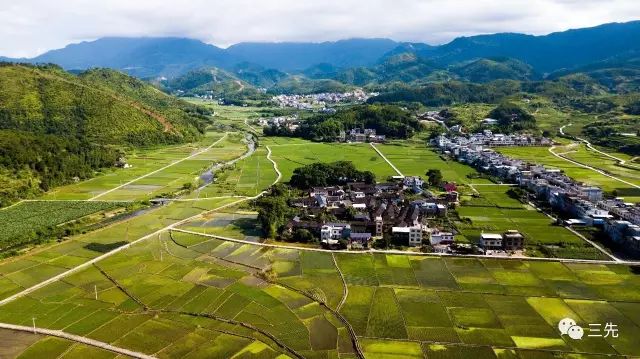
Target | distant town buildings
(321,100)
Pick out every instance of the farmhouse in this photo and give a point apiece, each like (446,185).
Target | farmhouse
(331,233)
(512,240)
(491,241)
(440,238)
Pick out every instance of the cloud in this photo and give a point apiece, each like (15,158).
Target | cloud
(30,27)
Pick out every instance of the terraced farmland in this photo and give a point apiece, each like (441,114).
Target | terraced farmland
(171,294)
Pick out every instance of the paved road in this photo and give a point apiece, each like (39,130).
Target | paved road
(591,147)
(271,245)
(160,169)
(387,160)
(78,339)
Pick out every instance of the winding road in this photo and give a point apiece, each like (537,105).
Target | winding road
(587,166)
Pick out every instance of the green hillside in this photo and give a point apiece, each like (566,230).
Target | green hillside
(103,106)
(486,70)
(55,126)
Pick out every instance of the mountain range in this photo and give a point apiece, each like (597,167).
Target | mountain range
(360,62)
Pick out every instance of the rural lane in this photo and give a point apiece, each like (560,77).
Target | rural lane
(78,339)
(400,252)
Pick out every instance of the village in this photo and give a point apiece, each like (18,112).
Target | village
(581,205)
(321,100)
(400,213)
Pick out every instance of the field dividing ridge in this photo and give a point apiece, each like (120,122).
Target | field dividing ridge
(386,159)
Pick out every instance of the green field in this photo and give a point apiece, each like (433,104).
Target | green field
(290,156)
(173,178)
(27,218)
(35,266)
(144,162)
(416,159)
(179,295)
(495,212)
(247,177)
(398,305)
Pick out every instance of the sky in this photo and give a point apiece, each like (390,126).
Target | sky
(31,27)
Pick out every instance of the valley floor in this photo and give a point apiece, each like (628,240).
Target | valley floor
(191,278)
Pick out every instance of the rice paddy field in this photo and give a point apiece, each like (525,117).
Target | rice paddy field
(191,296)
(184,295)
(173,178)
(230,223)
(580,153)
(37,265)
(495,212)
(147,161)
(247,177)
(416,159)
(290,155)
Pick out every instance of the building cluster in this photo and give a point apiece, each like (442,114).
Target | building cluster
(487,138)
(362,135)
(290,122)
(321,100)
(510,240)
(360,212)
(585,205)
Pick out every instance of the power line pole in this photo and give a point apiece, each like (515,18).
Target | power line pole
(34,324)
(95,289)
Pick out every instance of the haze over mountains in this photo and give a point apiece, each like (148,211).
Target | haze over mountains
(359,62)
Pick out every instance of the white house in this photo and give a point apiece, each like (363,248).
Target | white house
(491,241)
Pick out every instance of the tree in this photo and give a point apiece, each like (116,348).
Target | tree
(329,174)
(302,235)
(272,213)
(434,177)
(512,117)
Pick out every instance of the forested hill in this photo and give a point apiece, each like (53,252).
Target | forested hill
(55,126)
(104,106)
